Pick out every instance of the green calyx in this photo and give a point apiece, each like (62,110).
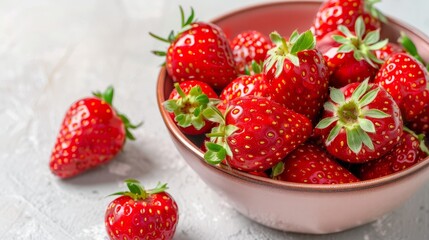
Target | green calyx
(107,96)
(185,25)
(288,49)
(137,191)
(362,45)
(371,9)
(188,109)
(352,116)
(277,169)
(218,148)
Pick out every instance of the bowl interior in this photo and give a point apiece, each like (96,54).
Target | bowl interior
(285,17)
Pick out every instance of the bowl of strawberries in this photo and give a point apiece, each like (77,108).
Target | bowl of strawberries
(306,116)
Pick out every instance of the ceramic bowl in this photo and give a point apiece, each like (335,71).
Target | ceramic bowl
(305,208)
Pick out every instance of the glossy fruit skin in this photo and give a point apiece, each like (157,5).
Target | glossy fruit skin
(153,218)
(311,164)
(333,13)
(254,85)
(387,130)
(249,46)
(266,133)
(304,88)
(420,124)
(389,50)
(91,134)
(406,80)
(186,86)
(202,53)
(343,67)
(404,155)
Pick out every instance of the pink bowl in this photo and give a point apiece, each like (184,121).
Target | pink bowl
(305,208)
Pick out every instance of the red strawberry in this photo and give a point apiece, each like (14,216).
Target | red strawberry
(244,85)
(310,164)
(249,46)
(297,74)
(200,51)
(333,13)
(350,56)
(186,103)
(420,124)
(142,214)
(361,122)
(92,133)
(406,79)
(410,150)
(387,51)
(255,133)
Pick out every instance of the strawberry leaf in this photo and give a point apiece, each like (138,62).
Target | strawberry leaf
(326,122)
(215,153)
(340,39)
(375,113)
(214,115)
(294,37)
(278,169)
(337,96)
(170,105)
(346,48)
(369,97)
(410,47)
(360,90)
(333,133)
(359,27)
(329,106)
(354,142)
(366,140)
(366,125)
(372,37)
(305,41)
(378,45)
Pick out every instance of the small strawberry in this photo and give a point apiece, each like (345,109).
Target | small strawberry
(244,85)
(406,79)
(387,51)
(91,134)
(249,46)
(350,56)
(333,13)
(297,73)
(254,134)
(200,51)
(142,214)
(310,164)
(186,103)
(361,122)
(410,150)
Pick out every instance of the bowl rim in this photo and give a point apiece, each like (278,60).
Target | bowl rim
(303,187)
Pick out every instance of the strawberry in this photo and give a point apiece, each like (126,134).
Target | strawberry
(406,79)
(186,103)
(244,85)
(91,134)
(361,122)
(410,150)
(310,164)
(387,51)
(297,74)
(200,51)
(254,134)
(249,46)
(142,214)
(350,56)
(333,13)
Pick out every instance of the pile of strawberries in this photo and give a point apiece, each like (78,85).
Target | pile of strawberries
(334,104)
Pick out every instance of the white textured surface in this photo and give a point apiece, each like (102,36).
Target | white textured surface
(53,52)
